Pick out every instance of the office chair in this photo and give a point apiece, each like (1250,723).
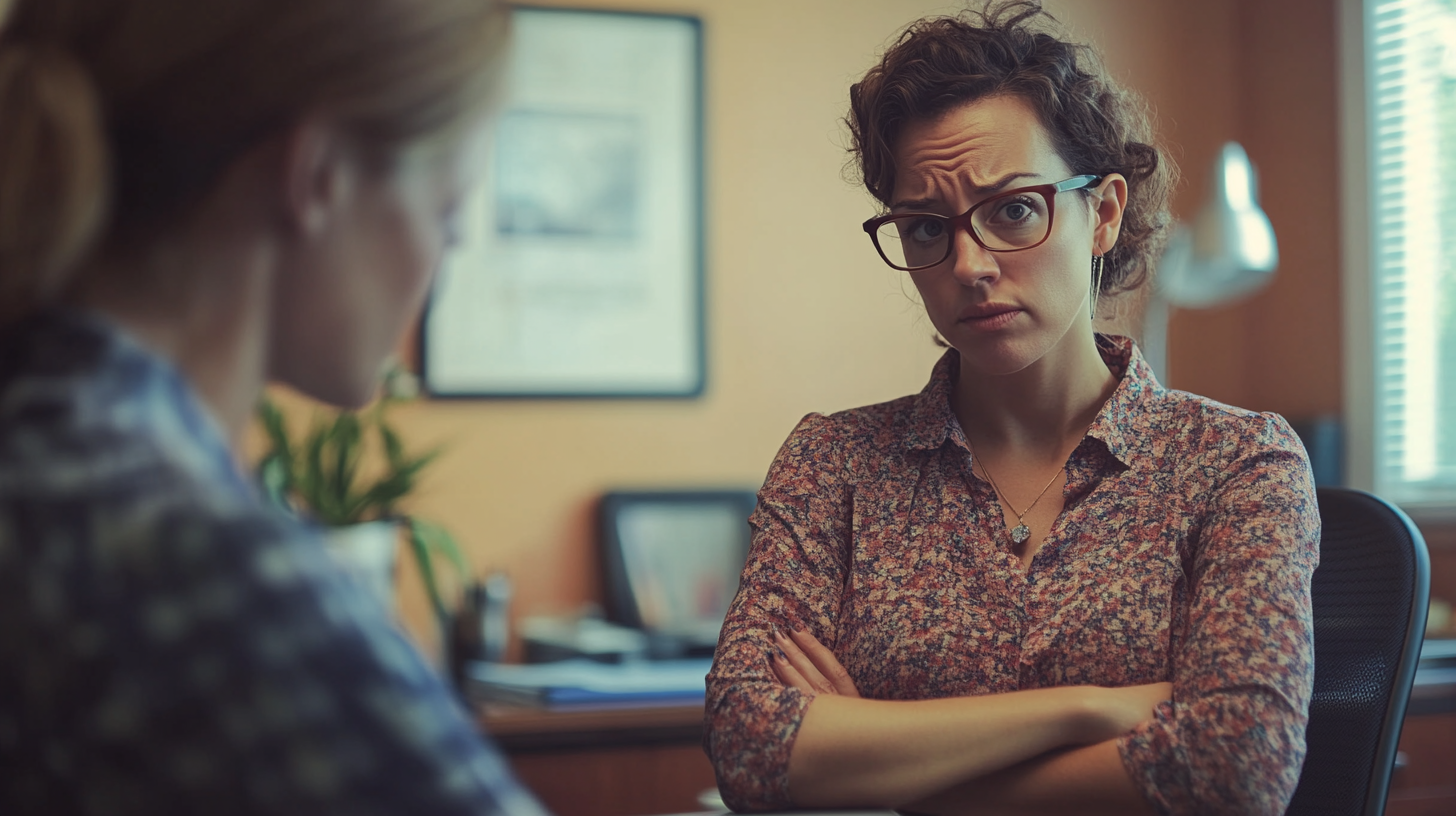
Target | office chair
(1370,594)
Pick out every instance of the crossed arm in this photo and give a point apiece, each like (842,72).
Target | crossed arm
(789,730)
(1040,751)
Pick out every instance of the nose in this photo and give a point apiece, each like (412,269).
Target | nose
(972,263)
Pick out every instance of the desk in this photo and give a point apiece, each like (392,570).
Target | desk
(606,762)
(1425,784)
(631,761)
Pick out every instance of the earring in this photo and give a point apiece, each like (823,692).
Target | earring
(1096,283)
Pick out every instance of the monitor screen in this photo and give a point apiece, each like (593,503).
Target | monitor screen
(673,558)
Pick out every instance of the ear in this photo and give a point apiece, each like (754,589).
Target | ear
(317,175)
(1108,202)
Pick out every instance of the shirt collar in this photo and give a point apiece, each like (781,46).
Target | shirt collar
(932,421)
(75,374)
(1119,425)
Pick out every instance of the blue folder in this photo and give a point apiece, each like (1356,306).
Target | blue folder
(583,683)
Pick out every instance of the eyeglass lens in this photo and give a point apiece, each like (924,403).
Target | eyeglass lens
(1009,222)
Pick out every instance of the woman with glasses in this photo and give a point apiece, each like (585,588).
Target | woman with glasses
(1045,583)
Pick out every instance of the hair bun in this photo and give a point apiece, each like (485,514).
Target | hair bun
(53,170)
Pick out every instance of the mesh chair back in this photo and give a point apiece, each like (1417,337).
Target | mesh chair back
(1369,594)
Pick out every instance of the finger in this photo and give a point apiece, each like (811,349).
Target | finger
(825,661)
(787,674)
(803,665)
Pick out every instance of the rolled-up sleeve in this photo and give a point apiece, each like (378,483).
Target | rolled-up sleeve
(1232,739)
(793,578)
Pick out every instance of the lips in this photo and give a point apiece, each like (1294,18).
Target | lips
(980,310)
(988,315)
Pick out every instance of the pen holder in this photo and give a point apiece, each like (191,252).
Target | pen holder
(481,629)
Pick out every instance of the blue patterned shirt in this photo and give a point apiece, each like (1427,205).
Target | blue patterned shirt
(170,645)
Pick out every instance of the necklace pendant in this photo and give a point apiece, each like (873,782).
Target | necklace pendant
(1020,533)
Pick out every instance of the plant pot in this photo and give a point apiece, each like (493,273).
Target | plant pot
(369,553)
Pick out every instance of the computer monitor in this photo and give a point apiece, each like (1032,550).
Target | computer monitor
(671,561)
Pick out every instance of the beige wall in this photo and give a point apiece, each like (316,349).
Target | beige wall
(803,317)
(800,314)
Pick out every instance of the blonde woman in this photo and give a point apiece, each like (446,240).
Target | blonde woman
(197,198)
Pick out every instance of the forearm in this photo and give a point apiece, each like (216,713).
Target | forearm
(853,752)
(1088,780)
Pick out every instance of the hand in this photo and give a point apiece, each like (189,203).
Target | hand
(801,661)
(1122,709)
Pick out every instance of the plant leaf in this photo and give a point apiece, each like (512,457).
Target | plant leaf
(387,491)
(393,448)
(274,478)
(421,550)
(311,487)
(276,427)
(322,470)
(440,540)
(346,439)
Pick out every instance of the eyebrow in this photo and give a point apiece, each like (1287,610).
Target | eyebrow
(980,191)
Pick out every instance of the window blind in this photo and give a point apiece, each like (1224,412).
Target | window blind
(1412,85)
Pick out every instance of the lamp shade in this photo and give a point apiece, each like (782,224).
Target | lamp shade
(1229,250)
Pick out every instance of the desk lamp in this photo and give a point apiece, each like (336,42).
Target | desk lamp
(1227,253)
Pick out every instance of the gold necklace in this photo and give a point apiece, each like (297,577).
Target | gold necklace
(1020,532)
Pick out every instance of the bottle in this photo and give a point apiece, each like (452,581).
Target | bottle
(481,629)
(494,613)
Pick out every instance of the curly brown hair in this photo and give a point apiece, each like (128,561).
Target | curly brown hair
(1096,126)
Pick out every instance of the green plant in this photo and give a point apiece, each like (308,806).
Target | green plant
(324,476)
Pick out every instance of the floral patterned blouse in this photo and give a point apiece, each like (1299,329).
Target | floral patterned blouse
(168,644)
(1184,554)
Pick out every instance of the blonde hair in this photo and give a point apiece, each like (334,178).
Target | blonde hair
(116,115)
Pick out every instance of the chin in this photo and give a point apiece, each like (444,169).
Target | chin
(997,357)
(356,398)
(994,367)
(336,387)
(353,394)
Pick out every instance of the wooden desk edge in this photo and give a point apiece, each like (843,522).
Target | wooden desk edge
(517,729)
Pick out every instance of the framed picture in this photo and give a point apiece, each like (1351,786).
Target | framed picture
(579,267)
(672,561)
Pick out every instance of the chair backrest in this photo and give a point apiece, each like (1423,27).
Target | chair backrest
(1370,594)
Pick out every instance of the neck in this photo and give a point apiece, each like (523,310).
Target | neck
(205,312)
(1037,412)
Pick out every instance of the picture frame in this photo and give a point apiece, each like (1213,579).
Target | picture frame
(578,271)
(671,561)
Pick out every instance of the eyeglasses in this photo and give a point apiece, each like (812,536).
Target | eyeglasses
(1005,222)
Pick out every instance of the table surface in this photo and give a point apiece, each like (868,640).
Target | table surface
(524,728)
(1434,690)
